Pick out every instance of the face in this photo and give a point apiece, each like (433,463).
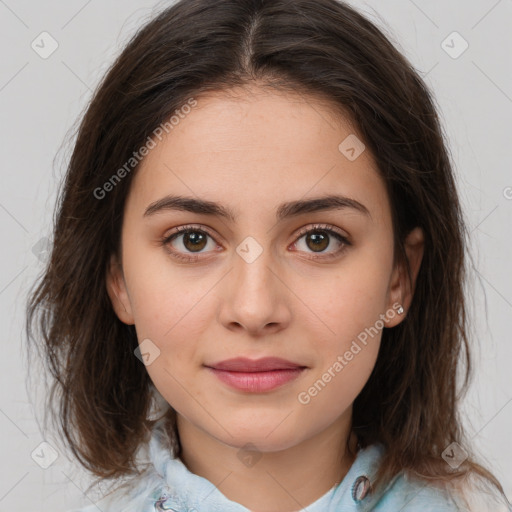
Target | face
(279,275)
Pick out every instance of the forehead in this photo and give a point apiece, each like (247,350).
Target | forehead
(256,148)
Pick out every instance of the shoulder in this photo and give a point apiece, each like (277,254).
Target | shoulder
(411,495)
(407,492)
(403,493)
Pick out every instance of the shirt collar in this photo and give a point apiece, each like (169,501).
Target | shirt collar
(177,489)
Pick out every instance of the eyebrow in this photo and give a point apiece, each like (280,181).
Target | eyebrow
(284,211)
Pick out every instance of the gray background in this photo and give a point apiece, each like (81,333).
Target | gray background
(41,99)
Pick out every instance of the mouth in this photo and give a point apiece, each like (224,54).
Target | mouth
(265,364)
(258,375)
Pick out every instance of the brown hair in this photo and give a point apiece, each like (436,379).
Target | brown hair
(321,48)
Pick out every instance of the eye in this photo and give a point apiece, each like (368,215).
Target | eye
(188,242)
(319,238)
(187,239)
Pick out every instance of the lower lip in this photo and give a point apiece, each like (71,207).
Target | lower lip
(256,382)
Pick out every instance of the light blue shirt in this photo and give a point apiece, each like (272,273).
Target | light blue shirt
(169,485)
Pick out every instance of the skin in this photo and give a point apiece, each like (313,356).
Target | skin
(251,150)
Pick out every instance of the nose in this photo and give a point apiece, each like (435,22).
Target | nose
(255,298)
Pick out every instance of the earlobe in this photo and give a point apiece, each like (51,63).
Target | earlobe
(401,290)
(116,289)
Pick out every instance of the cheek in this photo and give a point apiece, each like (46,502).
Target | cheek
(175,319)
(347,325)
(173,310)
(165,298)
(332,391)
(349,299)
(347,341)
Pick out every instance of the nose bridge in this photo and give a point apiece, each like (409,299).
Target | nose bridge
(255,296)
(253,267)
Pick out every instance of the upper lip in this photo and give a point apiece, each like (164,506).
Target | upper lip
(243,364)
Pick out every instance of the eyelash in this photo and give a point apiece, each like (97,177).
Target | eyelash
(327,228)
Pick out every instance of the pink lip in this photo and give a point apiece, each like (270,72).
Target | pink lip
(256,375)
(256,382)
(244,364)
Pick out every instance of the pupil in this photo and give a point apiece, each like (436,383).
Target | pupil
(319,241)
(195,239)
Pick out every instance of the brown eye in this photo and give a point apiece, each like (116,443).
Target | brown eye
(188,241)
(319,239)
(194,241)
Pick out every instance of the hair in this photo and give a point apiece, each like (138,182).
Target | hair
(325,50)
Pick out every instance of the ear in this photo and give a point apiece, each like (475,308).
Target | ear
(116,289)
(401,290)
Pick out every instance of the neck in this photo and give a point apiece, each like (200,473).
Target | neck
(286,479)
